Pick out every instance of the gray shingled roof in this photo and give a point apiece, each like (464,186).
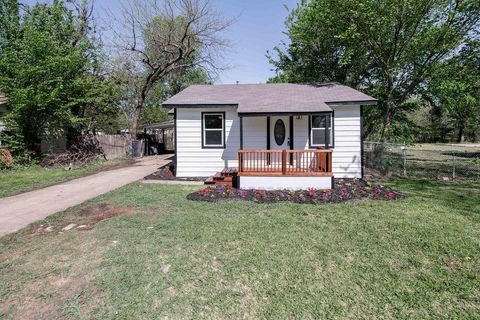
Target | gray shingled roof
(266,98)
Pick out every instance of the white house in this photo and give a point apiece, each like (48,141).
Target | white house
(3,110)
(275,135)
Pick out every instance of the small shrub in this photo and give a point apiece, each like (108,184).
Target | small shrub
(6,159)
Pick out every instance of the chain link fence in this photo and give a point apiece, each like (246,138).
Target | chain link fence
(432,161)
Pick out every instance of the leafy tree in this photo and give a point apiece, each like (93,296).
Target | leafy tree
(9,22)
(387,48)
(455,88)
(49,72)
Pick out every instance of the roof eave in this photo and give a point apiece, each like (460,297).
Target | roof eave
(360,102)
(196,105)
(160,125)
(279,113)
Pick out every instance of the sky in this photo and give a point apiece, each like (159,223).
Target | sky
(259,27)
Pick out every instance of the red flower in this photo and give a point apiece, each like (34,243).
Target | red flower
(206,191)
(311,192)
(390,195)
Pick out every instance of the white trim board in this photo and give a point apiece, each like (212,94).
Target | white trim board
(276,183)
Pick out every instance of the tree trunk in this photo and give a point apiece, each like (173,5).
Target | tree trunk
(387,120)
(461,135)
(136,118)
(388,107)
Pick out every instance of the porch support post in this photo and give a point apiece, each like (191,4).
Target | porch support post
(291,139)
(241,132)
(268,140)
(268,133)
(328,123)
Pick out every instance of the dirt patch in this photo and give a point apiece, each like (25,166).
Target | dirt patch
(50,284)
(84,220)
(102,211)
(452,264)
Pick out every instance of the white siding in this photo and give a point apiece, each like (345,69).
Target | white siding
(294,183)
(300,132)
(347,144)
(192,160)
(255,133)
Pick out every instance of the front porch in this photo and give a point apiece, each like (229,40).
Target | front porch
(309,162)
(285,169)
(278,169)
(278,151)
(297,154)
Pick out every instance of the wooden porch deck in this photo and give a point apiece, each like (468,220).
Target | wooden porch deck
(309,162)
(276,163)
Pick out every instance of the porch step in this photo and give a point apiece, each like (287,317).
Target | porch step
(209,181)
(226,178)
(218,176)
(229,172)
(223,184)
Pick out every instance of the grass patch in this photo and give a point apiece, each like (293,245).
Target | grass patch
(29,178)
(414,258)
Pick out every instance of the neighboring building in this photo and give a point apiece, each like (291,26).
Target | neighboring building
(3,110)
(161,137)
(274,135)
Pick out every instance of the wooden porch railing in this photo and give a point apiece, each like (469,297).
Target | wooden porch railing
(311,162)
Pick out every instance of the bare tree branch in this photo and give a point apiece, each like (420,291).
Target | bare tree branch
(158,37)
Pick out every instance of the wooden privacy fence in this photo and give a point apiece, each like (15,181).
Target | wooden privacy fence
(113,145)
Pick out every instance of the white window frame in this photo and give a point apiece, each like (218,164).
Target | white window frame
(330,136)
(205,129)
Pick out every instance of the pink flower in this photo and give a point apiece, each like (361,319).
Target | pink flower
(311,192)
(205,191)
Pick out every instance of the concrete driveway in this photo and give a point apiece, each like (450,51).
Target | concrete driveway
(16,212)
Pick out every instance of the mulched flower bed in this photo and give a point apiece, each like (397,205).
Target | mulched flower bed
(344,190)
(166,173)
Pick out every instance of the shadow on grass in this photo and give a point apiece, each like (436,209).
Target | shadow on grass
(461,196)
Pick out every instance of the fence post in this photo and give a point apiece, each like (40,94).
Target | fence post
(404,156)
(454,174)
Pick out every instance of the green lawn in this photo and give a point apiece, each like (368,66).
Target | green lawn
(433,161)
(25,179)
(416,258)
